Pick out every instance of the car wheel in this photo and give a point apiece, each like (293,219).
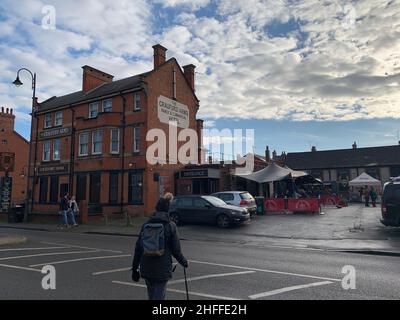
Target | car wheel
(223,221)
(174,217)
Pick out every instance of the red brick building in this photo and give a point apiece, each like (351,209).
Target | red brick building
(12,142)
(92,143)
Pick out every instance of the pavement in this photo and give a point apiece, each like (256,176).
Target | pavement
(349,228)
(96,267)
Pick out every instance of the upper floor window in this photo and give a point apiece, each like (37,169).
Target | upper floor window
(84,144)
(56,149)
(46,151)
(97,142)
(107,105)
(114,141)
(47,120)
(58,118)
(136,102)
(136,139)
(93,109)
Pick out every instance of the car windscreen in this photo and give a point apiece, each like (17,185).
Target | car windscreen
(246,196)
(215,201)
(392,194)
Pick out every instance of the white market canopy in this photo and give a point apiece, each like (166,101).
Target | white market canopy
(364,179)
(271,173)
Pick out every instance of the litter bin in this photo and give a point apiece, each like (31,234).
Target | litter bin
(260,205)
(16,214)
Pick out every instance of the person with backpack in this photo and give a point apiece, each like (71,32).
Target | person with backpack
(158,242)
(373,196)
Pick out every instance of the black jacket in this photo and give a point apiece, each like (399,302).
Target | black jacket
(159,268)
(64,204)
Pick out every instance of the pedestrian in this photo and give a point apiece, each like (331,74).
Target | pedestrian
(373,196)
(64,207)
(366,196)
(73,210)
(158,242)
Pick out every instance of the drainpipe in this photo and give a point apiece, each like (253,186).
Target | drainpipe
(72,154)
(34,162)
(123,152)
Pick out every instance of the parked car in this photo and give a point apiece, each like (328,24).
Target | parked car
(206,209)
(391,203)
(241,199)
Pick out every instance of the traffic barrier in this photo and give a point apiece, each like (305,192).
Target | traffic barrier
(328,200)
(304,205)
(274,205)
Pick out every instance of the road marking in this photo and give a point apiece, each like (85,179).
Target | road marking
(179,291)
(73,246)
(210,276)
(279,291)
(18,267)
(110,271)
(46,254)
(82,259)
(266,270)
(43,248)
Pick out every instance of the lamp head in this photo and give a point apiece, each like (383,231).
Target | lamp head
(17,82)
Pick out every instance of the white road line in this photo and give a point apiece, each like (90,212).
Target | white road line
(18,267)
(43,248)
(179,291)
(110,271)
(279,291)
(82,259)
(73,246)
(210,276)
(46,254)
(265,270)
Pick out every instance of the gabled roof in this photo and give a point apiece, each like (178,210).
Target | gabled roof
(344,158)
(102,90)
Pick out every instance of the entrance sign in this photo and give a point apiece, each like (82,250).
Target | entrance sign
(172,111)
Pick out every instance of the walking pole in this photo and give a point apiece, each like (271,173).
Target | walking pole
(186,285)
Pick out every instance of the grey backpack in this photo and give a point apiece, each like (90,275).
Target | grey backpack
(153,239)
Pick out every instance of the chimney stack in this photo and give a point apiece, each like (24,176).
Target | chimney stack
(92,78)
(188,70)
(313,149)
(274,154)
(267,154)
(159,55)
(7,119)
(354,145)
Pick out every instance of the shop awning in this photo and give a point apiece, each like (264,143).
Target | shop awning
(271,173)
(364,179)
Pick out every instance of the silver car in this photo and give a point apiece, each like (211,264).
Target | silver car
(241,199)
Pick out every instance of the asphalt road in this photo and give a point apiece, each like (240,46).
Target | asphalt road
(96,267)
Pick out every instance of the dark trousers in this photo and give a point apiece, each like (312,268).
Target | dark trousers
(366,202)
(156,289)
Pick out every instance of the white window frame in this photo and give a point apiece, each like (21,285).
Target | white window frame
(135,106)
(56,118)
(90,109)
(104,102)
(46,143)
(80,143)
(47,119)
(93,141)
(111,140)
(135,147)
(59,149)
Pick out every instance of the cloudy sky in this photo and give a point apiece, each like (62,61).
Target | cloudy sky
(300,73)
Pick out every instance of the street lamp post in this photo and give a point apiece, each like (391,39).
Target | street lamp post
(29,191)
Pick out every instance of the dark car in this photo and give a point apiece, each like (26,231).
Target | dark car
(206,209)
(391,204)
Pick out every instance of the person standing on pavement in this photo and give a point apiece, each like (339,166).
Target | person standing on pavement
(373,196)
(366,196)
(157,269)
(73,210)
(64,207)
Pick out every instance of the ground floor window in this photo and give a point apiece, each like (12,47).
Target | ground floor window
(395,171)
(43,186)
(95,187)
(135,187)
(54,189)
(81,187)
(113,188)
